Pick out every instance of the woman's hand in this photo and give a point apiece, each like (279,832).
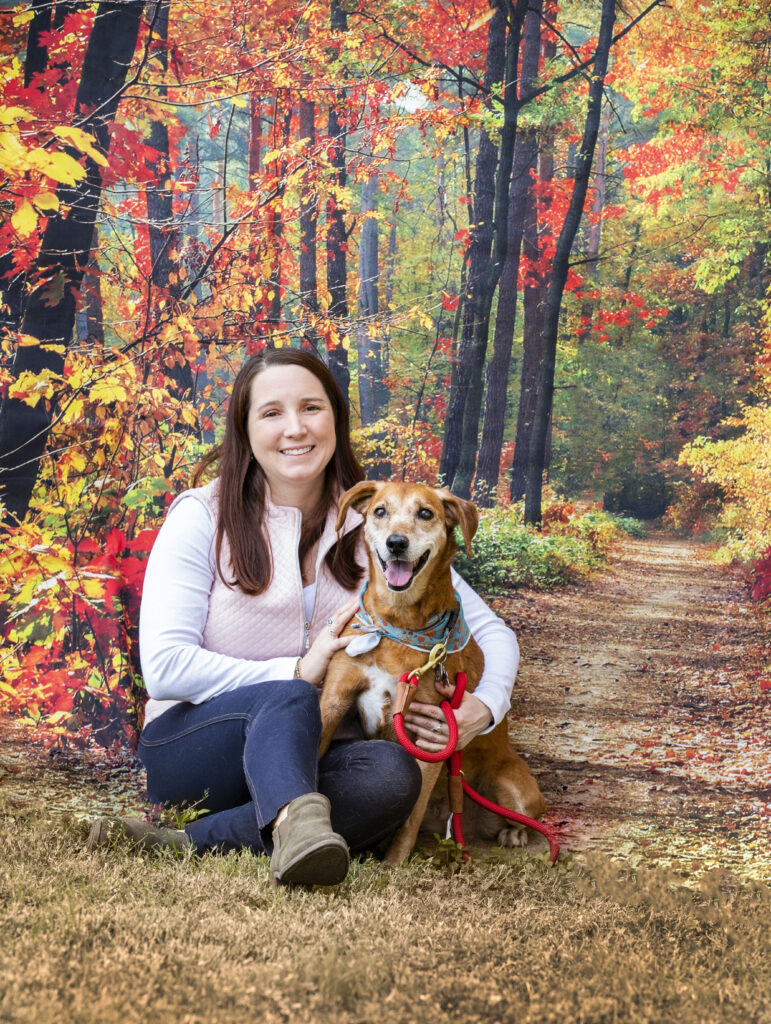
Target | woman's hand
(427,721)
(313,664)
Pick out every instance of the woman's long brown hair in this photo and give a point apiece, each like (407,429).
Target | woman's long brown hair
(242,484)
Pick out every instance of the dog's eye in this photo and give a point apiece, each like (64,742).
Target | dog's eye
(379,511)
(425,513)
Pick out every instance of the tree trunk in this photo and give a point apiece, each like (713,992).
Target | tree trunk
(389,295)
(89,319)
(493,264)
(369,354)
(255,136)
(525,159)
(163,231)
(533,303)
(309,300)
(275,221)
(64,253)
(373,393)
(337,266)
(594,233)
(161,225)
(46,16)
(477,260)
(560,266)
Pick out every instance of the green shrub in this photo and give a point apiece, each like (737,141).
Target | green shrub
(508,554)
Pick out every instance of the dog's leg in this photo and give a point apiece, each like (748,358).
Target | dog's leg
(341,687)
(404,840)
(514,787)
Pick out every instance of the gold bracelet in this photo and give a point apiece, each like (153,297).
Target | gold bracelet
(297,674)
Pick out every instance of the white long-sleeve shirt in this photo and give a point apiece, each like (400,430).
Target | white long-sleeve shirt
(175,603)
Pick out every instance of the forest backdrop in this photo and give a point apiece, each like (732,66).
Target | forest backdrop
(529,238)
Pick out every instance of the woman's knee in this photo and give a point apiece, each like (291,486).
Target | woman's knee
(399,774)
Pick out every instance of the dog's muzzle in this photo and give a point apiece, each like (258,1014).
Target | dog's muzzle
(398,572)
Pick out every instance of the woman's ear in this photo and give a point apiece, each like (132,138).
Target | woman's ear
(357,497)
(460,513)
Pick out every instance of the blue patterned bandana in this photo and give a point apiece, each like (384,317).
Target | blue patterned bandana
(436,631)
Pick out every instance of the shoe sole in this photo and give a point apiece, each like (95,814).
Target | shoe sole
(326,863)
(98,836)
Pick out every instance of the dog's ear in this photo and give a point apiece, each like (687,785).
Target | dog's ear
(356,497)
(460,513)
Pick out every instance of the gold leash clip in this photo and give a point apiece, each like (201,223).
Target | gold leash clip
(436,657)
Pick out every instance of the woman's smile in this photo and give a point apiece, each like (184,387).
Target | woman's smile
(298,451)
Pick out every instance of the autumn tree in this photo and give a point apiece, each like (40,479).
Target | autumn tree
(49,313)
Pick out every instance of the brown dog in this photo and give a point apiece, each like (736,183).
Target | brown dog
(409,530)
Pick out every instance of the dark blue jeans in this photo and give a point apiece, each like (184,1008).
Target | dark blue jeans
(246,753)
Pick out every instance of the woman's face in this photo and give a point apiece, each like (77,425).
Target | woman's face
(291,428)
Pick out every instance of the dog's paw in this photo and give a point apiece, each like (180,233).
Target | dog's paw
(512,836)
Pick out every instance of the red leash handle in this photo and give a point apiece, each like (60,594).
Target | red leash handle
(427,755)
(455,758)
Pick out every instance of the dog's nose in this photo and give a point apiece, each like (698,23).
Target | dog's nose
(397,544)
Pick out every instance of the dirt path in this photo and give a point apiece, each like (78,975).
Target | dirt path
(640,709)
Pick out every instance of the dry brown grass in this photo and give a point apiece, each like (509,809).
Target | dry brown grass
(115,937)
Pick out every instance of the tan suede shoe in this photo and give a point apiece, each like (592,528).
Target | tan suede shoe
(142,834)
(305,849)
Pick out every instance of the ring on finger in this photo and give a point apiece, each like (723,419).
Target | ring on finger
(437,727)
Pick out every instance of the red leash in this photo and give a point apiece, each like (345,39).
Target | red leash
(457,785)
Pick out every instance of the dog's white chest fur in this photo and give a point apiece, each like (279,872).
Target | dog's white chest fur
(372,703)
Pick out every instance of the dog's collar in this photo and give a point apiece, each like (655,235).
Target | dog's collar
(449,628)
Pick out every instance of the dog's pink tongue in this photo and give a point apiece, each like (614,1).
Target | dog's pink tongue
(398,573)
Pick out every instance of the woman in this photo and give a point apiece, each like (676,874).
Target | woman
(247,589)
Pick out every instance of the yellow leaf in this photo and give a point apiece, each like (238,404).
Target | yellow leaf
(31,387)
(24,219)
(13,158)
(9,115)
(45,201)
(53,564)
(93,588)
(105,391)
(82,140)
(74,411)
(59,166)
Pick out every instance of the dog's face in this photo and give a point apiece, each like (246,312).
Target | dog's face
(409,530)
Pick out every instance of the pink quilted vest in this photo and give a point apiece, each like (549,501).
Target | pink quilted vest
(272,624)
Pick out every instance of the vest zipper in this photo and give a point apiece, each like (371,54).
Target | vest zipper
(306,641)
